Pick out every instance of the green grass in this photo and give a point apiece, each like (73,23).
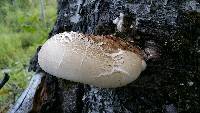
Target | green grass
(21,31)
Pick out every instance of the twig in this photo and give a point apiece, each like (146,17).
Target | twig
(5,79)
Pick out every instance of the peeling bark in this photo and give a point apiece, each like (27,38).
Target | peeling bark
(25,101)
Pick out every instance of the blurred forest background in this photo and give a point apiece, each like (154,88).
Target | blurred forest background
(24,24)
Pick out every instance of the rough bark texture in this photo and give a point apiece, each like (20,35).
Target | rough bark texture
(171,82)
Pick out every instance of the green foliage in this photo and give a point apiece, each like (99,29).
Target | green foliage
(21,31)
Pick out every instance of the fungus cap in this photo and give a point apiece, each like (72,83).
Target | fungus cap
(102,61)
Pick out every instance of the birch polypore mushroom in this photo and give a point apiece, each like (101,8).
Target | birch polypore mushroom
(102,61)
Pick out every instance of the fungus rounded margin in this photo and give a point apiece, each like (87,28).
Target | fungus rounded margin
(102,61)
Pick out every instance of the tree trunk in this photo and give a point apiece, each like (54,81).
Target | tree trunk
(170,83)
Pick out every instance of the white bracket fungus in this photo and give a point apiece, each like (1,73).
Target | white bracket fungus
(102,61)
